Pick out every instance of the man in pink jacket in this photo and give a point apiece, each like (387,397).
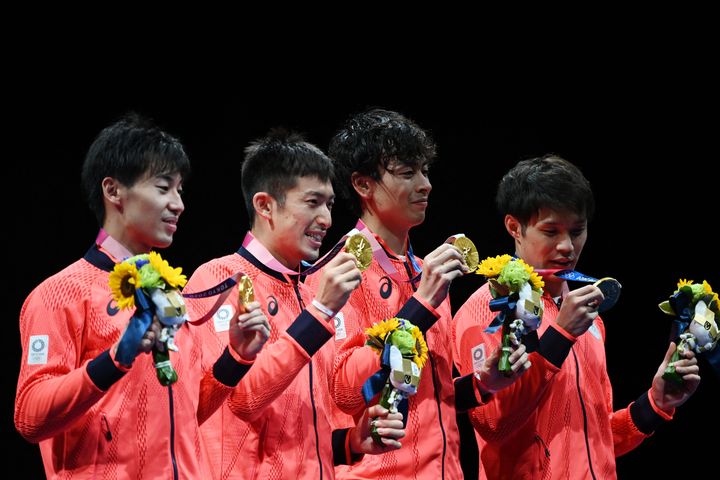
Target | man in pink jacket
(382,160)
(281,421)
(93,416)
(558,420)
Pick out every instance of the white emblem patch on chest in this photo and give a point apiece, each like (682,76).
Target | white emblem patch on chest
(340,332)
(478,357)
(222,317)
(38,347)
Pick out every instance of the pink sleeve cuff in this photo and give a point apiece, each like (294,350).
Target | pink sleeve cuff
(238,358)
(665,416)
(426,305)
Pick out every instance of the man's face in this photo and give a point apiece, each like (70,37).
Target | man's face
(300,224)
(552,240)
(150,211)
(401,195)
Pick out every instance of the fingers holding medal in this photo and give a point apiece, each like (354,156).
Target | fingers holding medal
(359,247)
(469,252)
(610,289)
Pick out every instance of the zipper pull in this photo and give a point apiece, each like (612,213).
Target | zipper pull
(547,450)
(107,433)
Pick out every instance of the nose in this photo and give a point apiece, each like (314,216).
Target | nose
(176,205)
(424,185)
(565,244)
(324,218)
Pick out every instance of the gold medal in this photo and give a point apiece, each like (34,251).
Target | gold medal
(360,248)
(469,252)
(245,291)
(610,289)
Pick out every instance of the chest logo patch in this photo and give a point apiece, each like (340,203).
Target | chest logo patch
(478,357)
(340,331)
(272,305)
(385,287)
(112,308)
(38,347)
(221,319)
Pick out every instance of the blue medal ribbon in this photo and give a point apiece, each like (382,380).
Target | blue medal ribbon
(138,325)
(377,381)
(505,305)
(575,276)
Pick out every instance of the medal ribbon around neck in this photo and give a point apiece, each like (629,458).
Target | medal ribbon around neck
(112,246)
(259,251)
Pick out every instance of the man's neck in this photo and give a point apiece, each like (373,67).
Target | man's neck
(118,244)
(395,239)
(266,240)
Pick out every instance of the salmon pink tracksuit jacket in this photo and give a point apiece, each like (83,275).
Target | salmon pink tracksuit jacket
(557,419)
(94,419)
(431,446)
(279,421)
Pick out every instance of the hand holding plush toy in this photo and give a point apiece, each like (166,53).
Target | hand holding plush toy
(150,284)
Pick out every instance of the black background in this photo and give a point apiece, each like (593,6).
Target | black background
(651,159)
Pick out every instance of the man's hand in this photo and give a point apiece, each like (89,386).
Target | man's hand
(668,395)
(249,331)
(389,427)
(579,309)
(338,279)
(440,268)
(493,379)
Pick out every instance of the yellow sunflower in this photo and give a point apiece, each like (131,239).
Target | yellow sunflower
(123,281)
(379,331)
(537,281)
(421,349)
(172,276)
(491,266)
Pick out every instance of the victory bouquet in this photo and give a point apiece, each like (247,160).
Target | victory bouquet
(695,308)
(403,353)
(516,290)
(150,284)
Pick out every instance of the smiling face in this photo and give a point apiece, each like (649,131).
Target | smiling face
(550,240)
(300,223)
(146,214)
(400,197)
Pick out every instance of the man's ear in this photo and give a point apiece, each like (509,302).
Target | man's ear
(513,226)
(112,190)
(362,184)
(264,204)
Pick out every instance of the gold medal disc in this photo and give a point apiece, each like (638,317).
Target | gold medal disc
(469,252)
(245,291)
(610,289)
(360,248)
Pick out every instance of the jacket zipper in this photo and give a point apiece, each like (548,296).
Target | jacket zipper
(172,433)
(312,396)
(409,271)
(584,412)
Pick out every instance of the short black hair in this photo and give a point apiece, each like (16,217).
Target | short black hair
(544,182)
(274,163)
(368,142)
(128,150)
